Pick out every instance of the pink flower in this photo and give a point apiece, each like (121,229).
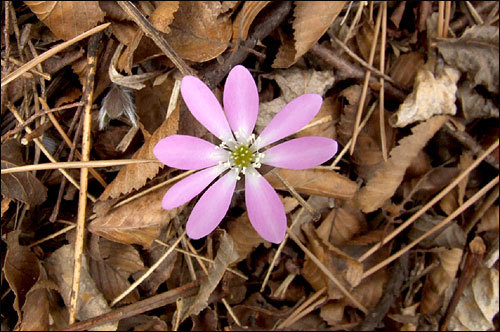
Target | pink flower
(239,154)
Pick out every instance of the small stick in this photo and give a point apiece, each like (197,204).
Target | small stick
(148,272)
(76,164)
(137,308)
(314,214)
(301,314)
(54,50)
(179,303)
(93,52)
(231,312)
(447,13)
(440,18)
(51,236)
(304,305)
(381,103)
(452,216)
(427,206)
(475,15)
(151,32)
(492,198)
(364,92)
(327,272)
(33,70)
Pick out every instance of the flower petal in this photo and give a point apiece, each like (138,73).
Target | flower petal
(241,101)
(301,153)
(187,152)
(265,209)
(184,190)
(205,107)
(293,117)
(211,207)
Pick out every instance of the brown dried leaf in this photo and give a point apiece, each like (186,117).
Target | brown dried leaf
(205,321)
(23,186)
(22,270)
(364,39)
(490,220)
(226,255)
(370,290)
(312,19)
(91,302)
(123,258)
(439,280)
(340,225)
(405,68)
(163,15)
(388,178)
(5,204)
(330,110)
(134,176)
(475,53)
(161,273)
(451,236)
(245,17)
(318,182)
(474,105)
(479,303)
(137,222)
(432,95)
(67,19)
(36,308)
(199,31)
(333,312)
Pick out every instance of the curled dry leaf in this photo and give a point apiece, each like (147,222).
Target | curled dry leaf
(439,279)
(475,53)
(318,182)
(21,268)
(245,17)
(479,303)
(67,19)
(388,178)
(474,105)
(199,31)
(163,15)
(370,290)
(37,308)
(134,176)
(451,236)
(23,186)
(226,255)
(490,220)
(91,302)
(137,222)
(431,96)
(333,312)
(312,19)
(405,68)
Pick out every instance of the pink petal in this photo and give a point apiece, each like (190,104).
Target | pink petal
(211,207)
(187,152)
(241,100)
(205,107)
(184,190)
(301,153)
(265,209)
(293,117)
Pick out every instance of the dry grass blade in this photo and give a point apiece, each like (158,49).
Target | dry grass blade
(452,216)
(44,56)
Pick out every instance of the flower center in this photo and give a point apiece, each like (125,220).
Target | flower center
(242,156)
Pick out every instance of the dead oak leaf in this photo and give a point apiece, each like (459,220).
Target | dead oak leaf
(67,19)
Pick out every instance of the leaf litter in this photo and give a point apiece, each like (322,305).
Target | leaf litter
(351,205)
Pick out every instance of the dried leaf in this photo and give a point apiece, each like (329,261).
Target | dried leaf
(138,222)
(475,105)
(21,268)
(333,312)
(161,273)
(22,186)
(479,303)
(475,53)
(340,225)
(91,302)
(314,182)
(205,321)
(370,290)
(122,257)
(142,323)
(451,236)
(328,114)
(134,176)
(431,96)
(490,220)
(199,31)
(439,280)
(67,19)
(163,15)
(405,68)
(312,19)
(36,309)
(5,204)
(245,17)
(226,255)
(388,178)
